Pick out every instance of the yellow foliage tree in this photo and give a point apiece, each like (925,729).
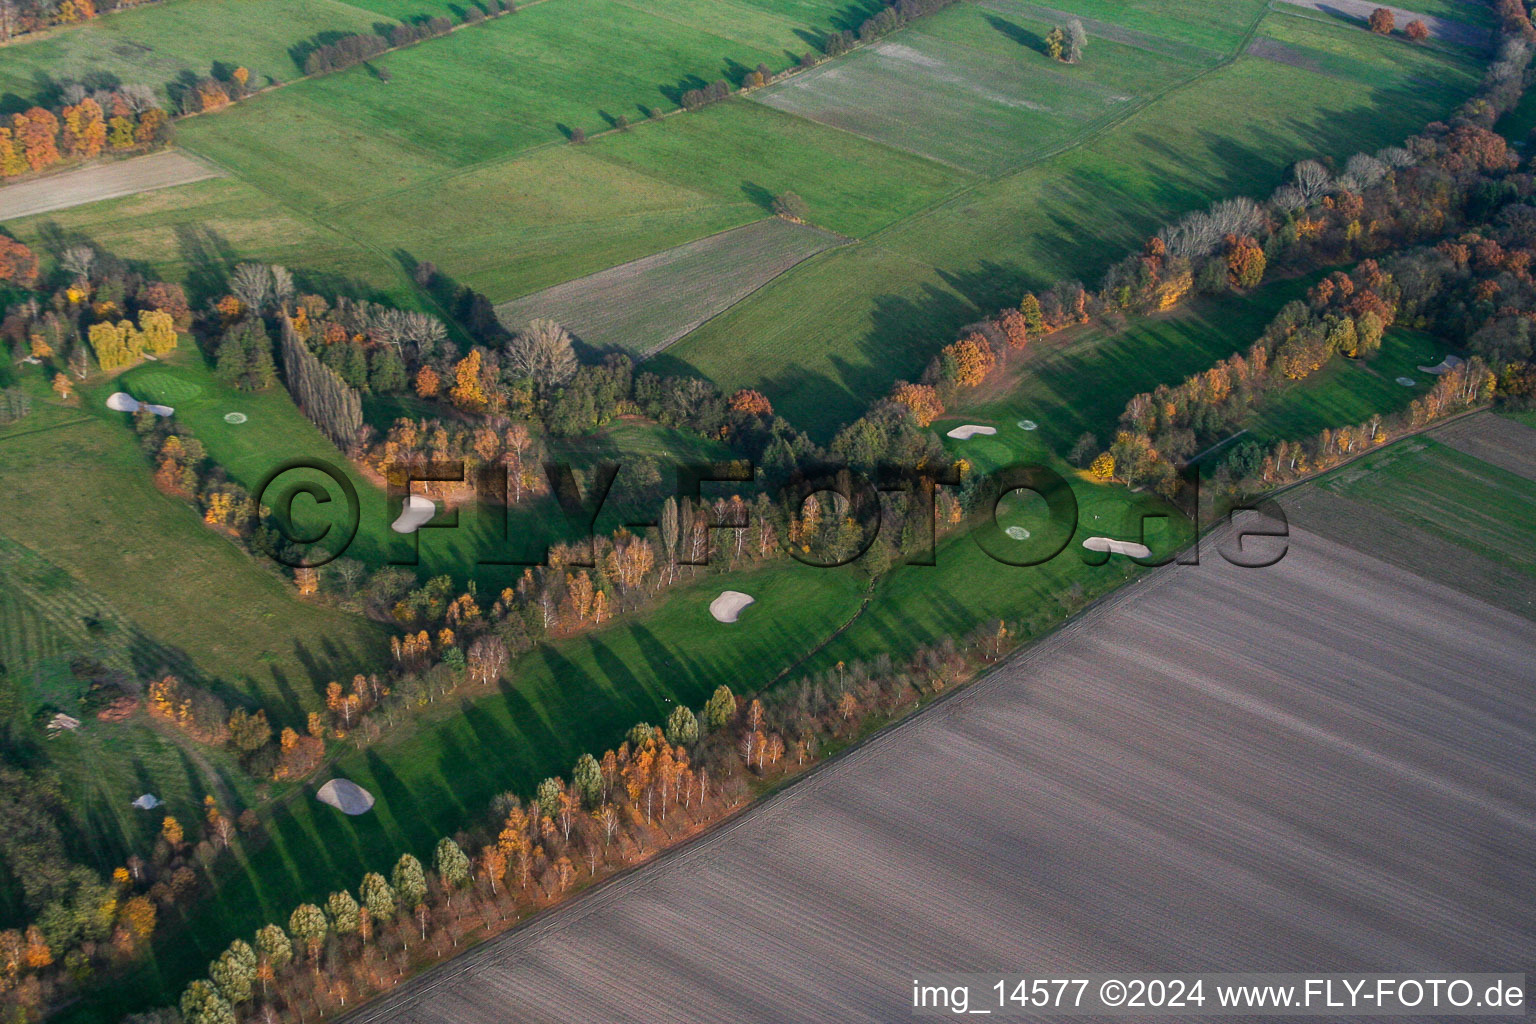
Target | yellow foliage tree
(467,393)
(158,330)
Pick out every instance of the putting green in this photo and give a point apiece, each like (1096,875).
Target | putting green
(165,386)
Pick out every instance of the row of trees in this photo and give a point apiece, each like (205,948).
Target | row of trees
(20,17)
(892,15)
(360,46)
(118,122)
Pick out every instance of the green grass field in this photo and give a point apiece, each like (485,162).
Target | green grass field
(970,87)
(48,618)
(160,43)
(887,304)
(1429,508)
(79,493)
(1348,392)
(276,433)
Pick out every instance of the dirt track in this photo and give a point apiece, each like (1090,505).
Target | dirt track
(101,181)
(1321,765)
(1444,29)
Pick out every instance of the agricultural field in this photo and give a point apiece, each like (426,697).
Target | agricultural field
(1274,726)
(643,306)
(1428,505)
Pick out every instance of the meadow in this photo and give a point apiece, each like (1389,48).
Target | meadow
(79,492)
(165,42)
(826,337)
(1434,509)
(969,87)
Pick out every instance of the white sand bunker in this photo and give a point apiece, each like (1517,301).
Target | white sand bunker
(1117,547)
(1028,425)
(1408,382)
(1445,365)
(121,401)
(346,796)
(728,605)
(417,512)
(969,431)
(1017,533)
(236,418)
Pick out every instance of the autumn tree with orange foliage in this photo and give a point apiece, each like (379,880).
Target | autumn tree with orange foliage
(428,383)
(17,262)
(1383,21)
(1417,30)
(921,399)
(1245,261)
(468,392)
(1015,328)
(968,361)
(750,402)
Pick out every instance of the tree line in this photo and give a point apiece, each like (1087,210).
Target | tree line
(107,121)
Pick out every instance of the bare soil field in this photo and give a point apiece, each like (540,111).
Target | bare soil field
(96,182)
(1319,765)
(1444,29)
(643,306)
(1496,439)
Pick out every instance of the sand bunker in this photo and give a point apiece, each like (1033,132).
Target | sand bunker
(1028,425)
(121,401)
(728,605)
(346,796)
(1408,382)
(1117,547)
(418,511)
(969,431)
(1445,365)
(236,418)
(1017,533)
(148,802)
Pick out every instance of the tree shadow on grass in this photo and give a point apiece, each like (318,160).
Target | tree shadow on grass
(1018,33)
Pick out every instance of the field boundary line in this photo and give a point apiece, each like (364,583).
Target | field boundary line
(843,243)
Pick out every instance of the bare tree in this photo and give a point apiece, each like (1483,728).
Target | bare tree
(282,284)
(1077,39)
(1313,179)
(1361,172)
(1288,199)
(251,283)
(542,351)
(78,260)
(1396,157)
